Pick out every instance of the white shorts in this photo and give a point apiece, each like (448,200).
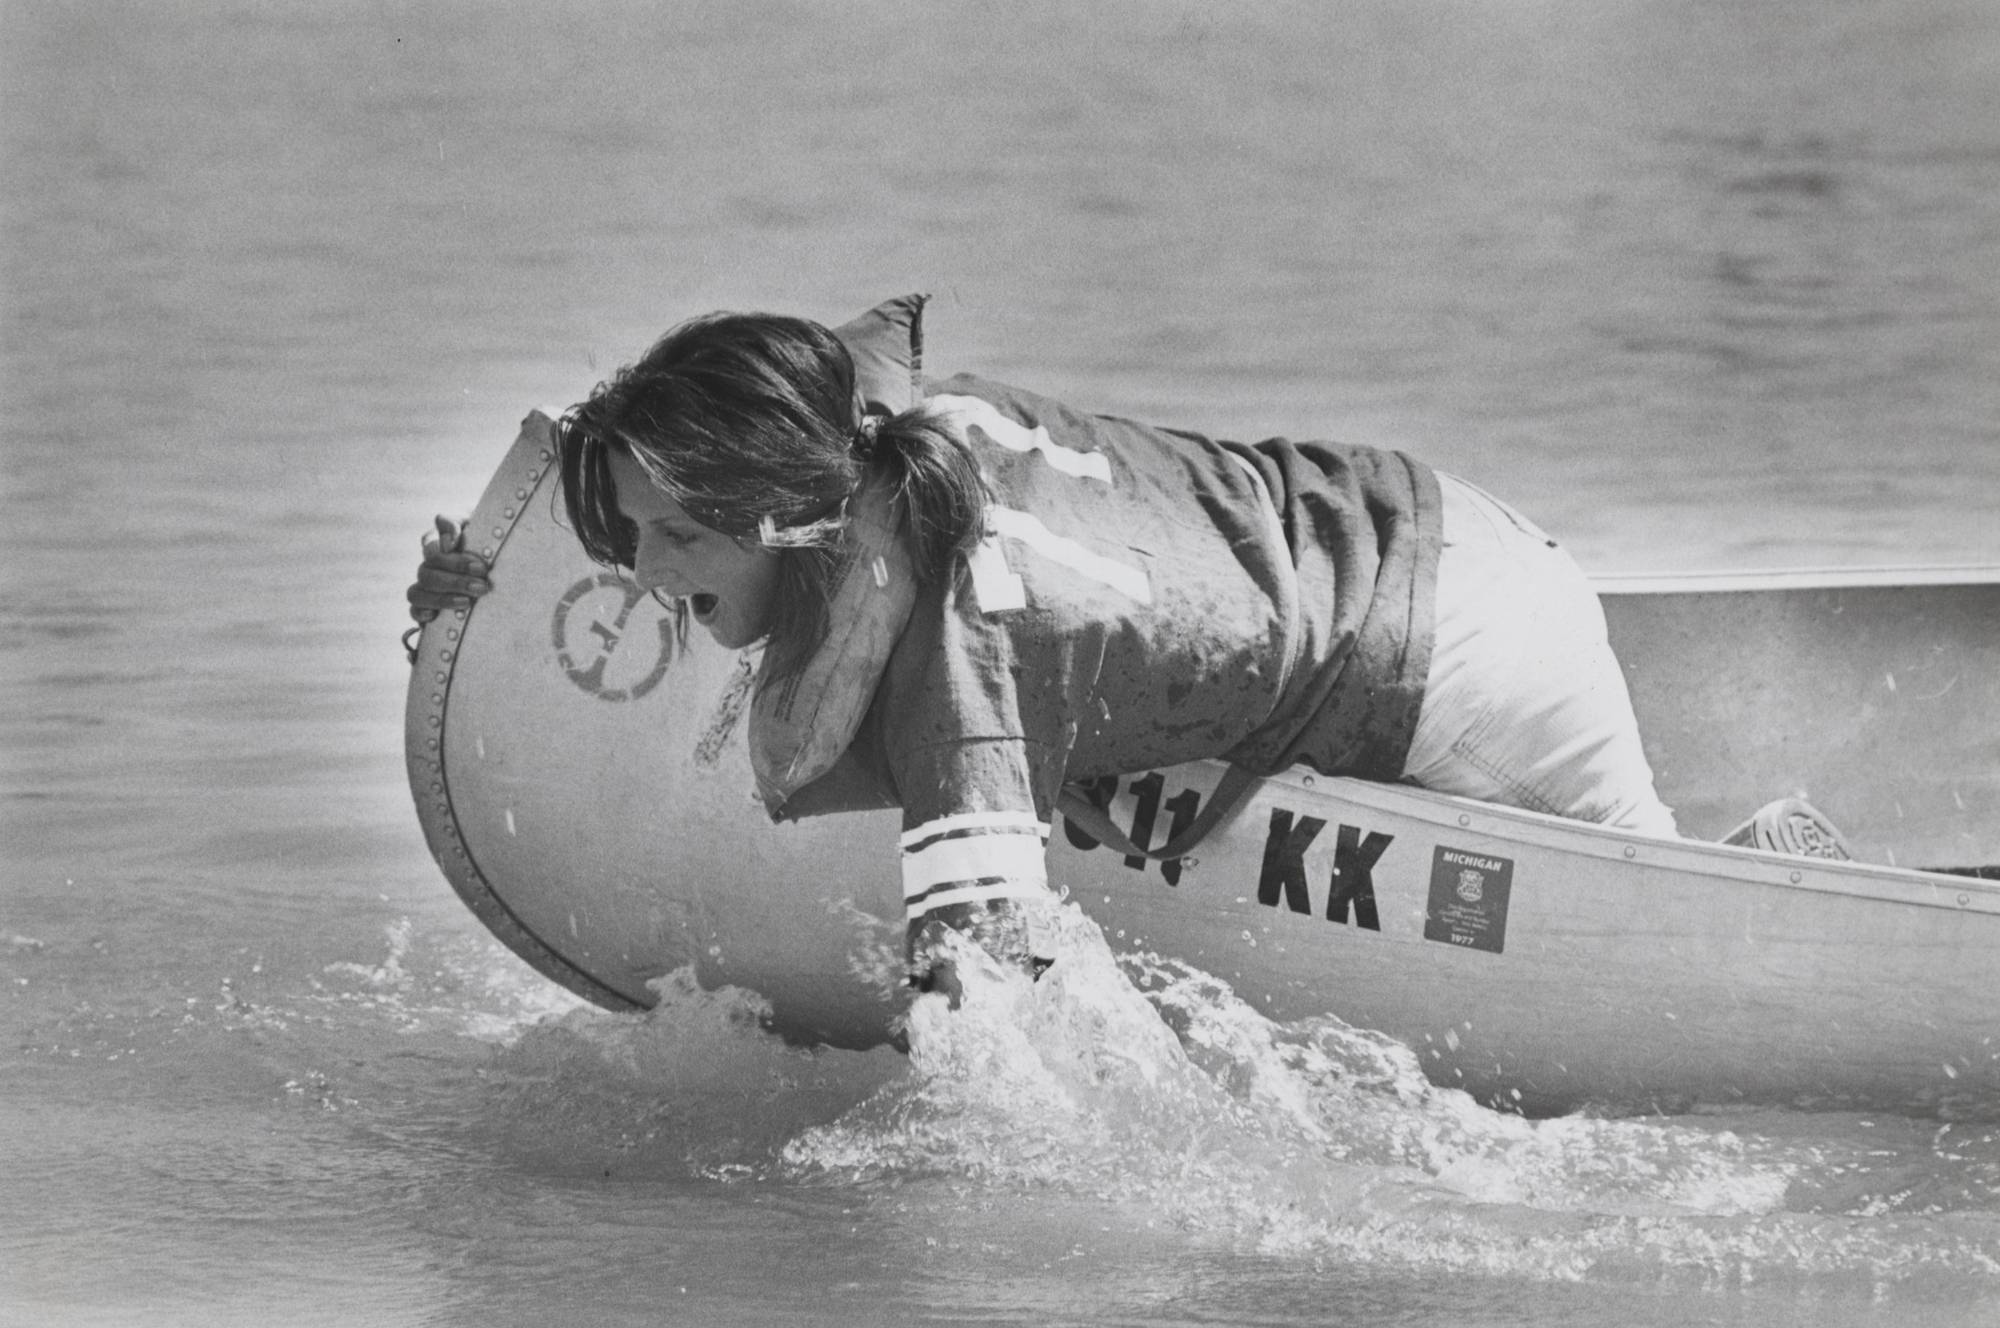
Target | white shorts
(1524,704)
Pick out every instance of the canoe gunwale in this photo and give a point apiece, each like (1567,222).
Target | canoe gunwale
(500,507)
(1788,578)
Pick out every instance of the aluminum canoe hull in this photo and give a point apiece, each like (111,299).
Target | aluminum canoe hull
(582,779)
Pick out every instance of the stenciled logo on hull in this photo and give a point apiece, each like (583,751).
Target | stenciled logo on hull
(601,645)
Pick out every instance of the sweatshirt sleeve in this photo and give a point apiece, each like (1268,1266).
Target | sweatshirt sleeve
(977,713)
(972,833)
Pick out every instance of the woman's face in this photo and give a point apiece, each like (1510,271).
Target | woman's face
(730,586)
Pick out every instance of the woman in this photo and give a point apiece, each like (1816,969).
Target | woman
(971,599)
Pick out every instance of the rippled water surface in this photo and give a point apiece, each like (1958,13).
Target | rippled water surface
(1699,285)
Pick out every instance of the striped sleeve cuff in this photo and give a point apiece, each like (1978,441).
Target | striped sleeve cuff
(973,858)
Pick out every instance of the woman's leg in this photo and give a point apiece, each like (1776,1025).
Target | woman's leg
(1525,704)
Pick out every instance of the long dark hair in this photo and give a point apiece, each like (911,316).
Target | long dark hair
(751,422)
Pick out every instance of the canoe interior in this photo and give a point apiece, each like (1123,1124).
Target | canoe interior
(1879,703)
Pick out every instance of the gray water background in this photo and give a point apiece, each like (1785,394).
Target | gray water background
(1698,285)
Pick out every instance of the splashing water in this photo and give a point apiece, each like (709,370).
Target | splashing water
(1142,1082)
(697,1087)
(1151,1089)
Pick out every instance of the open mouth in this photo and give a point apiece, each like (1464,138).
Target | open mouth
(703,605)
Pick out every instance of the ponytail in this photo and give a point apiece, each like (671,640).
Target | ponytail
(937,482)
(930,477)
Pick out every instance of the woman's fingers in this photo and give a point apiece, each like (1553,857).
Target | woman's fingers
(447,536)
(455,570)
(449,585)
(449,577)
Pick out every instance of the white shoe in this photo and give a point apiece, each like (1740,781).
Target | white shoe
(1793,826)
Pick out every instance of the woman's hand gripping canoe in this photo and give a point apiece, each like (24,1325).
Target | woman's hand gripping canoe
(449,577)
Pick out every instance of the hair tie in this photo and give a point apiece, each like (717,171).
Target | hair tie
(864,436)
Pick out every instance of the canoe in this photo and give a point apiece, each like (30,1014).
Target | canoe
(583,781)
